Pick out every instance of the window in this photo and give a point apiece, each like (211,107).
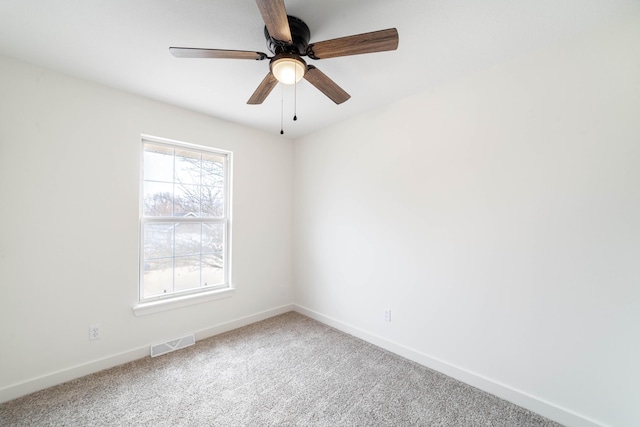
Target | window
(185,220)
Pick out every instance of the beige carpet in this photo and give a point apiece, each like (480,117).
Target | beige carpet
(284,371)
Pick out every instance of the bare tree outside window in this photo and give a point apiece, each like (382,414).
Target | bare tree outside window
(184,219)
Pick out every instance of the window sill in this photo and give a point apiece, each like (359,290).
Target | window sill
(145,308)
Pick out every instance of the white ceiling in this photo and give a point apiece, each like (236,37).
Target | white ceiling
(124,44)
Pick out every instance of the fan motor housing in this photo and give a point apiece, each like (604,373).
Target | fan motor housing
(299,33)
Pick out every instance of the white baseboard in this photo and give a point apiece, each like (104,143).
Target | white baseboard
(242,321)
(58,377)
(39,383)
(520,398)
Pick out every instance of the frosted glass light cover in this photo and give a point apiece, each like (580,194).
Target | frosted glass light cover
(288,70)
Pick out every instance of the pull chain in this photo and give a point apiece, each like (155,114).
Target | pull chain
(295,95)
(281,109)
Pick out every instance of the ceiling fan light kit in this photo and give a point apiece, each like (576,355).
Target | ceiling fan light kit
(287,37)
(287,68)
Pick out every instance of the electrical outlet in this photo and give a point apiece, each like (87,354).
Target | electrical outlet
(94,331)
(387,315)
(283,290)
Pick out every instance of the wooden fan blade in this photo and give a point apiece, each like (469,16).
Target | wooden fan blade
(263,90)
(376,41)
(274,15)
(326,85)
(190,52)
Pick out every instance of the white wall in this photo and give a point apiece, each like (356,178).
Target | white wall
(69,174)
(499,218)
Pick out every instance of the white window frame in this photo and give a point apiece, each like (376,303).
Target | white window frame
(198,295)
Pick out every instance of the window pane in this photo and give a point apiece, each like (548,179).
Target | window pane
(212,238)
(158,277)
(213,170)
(188,239)
(158,240)
(158,163)
(213,202)
(158,199)
(187,273)
(212,273)
(188,167)
(187,200)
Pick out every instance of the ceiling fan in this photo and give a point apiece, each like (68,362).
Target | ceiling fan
(288,39)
